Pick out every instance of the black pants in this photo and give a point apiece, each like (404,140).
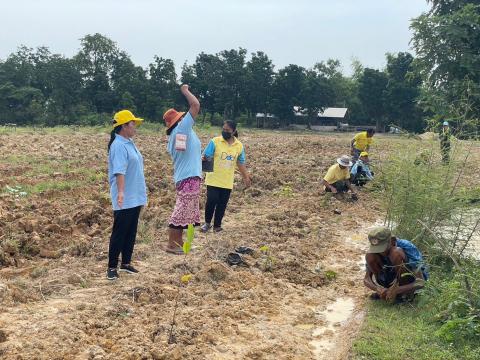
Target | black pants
(217,200)
(445,148)
(124,232)
(340,185)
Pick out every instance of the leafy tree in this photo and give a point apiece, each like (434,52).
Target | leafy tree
(129,84)
(97,55)
(402,91)
(163,87)
(287,88)
(446,41)
(19,68)
(232,90)
(259,82)
(20,105)
(96,60)
(371,92)
(65,91)
(446,7)
(205,76)
(317,93)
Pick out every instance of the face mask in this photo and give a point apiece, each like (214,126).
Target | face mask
(226,135)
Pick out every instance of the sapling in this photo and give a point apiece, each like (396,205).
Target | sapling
(268,259)
(187,246)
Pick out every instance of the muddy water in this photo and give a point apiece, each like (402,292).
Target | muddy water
(335,315)
(340,319)
(473,247)
(463,227)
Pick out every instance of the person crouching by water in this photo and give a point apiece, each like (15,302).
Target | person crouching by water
(186,151)
(395,268)
(227,153)
(360,172)
(337,177)
(127,189)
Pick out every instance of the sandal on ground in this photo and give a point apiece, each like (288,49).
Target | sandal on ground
(244,250)
(235,259)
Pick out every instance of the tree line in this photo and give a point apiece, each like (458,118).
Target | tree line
(38,87)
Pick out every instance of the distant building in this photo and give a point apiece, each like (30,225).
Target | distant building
(266,121)
(330,119)
(326,120)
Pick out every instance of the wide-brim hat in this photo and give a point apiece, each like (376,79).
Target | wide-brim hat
(379,239)
(344,160)
(171,117)
(125,116)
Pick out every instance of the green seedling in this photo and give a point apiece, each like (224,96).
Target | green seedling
(187,245)
(330,275)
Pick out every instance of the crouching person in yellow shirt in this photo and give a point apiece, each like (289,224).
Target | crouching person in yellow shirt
(227,153)
(337,179)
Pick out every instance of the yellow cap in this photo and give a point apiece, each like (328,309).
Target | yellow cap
(363,153)
(125,116)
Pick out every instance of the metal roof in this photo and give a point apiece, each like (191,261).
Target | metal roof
(333,112)
(330,112)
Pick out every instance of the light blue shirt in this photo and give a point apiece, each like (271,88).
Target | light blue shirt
(365,170)
(125,159)
(186,163)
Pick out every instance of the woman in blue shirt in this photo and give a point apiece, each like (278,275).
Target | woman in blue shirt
(186,151)
(127,190)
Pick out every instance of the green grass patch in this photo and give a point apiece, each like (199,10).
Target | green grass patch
(56,185)
(401,332)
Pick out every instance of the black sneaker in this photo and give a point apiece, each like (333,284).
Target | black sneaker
(128,268)
(217,229)
(112,274)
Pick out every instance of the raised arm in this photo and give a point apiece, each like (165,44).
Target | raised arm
(192,101)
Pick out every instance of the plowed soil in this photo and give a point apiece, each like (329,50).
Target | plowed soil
(55,222)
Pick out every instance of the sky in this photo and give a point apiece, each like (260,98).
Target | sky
(301,32)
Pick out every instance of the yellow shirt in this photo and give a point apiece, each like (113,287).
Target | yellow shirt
(362,141)
(335,174)
(225,160)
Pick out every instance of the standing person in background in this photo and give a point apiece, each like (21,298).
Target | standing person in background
(186,151)
(445,142)
(227,153)
(361,142)
(127,189)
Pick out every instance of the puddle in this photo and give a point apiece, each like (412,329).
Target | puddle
(336,315)
(464,227)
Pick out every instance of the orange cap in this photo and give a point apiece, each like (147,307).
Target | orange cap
(171,117)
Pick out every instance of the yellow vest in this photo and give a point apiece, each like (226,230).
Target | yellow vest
(224,163)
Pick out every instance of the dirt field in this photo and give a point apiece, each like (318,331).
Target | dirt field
(301,297)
